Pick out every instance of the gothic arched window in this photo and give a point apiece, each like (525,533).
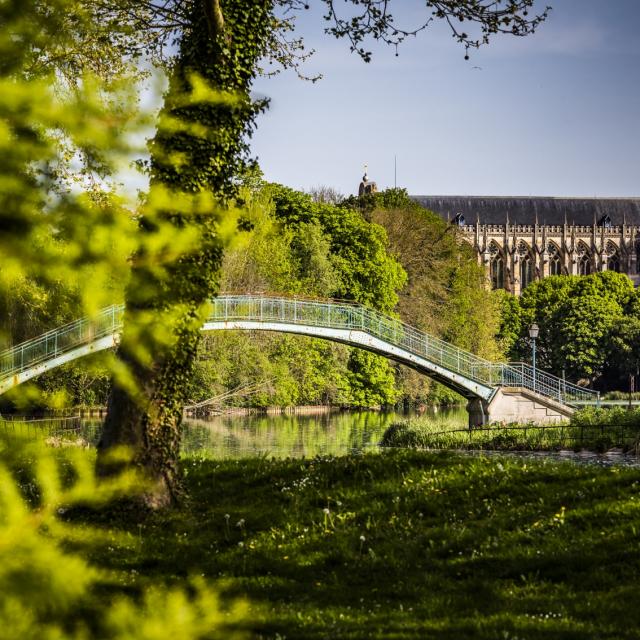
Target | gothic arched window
(555,263)
(496,267)
(526,264)
(584,260)
(613,257)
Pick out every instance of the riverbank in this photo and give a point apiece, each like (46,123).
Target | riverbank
(591,429)
(401,544)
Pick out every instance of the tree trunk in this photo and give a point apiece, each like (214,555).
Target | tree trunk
(166,307)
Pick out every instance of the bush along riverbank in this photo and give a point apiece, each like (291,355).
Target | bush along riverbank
(402,544)
(593,429)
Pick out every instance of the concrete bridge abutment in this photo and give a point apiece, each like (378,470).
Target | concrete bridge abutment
(516,404)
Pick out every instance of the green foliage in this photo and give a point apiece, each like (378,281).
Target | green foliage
(590,429)
(293,249)
(607,417)
(445,291)
(371,380)
(294,370)
(49,587)
(623,350)
(272,256)
(578,317)
(368,274)
(64,245)
(510,320)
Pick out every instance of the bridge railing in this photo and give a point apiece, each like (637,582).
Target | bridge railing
(521,374)
(395,332)
(346,316)
(59,341)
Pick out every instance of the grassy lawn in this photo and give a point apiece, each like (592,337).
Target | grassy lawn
(402,544)
(598,436)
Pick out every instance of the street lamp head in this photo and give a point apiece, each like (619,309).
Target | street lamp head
(533,331)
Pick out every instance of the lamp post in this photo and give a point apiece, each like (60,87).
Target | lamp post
(533,334)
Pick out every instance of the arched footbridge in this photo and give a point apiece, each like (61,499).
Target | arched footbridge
(495,390)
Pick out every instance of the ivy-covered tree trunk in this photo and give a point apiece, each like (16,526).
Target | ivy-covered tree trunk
(200,148)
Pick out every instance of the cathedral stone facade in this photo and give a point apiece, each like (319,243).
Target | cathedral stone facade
(519,240)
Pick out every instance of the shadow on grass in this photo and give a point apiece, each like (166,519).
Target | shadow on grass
(401,545)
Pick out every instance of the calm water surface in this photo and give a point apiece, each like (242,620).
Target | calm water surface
(335,433)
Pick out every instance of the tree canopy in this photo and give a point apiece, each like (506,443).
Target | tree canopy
(582,320)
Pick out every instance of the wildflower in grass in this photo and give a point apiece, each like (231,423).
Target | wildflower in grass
(559,517)
(362,540)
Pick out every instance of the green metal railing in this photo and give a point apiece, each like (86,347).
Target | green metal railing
(61,341)
(327,315)
(354,317)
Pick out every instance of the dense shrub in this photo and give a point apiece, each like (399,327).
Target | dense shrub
(49,588)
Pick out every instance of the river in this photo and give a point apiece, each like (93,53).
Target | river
(334,433)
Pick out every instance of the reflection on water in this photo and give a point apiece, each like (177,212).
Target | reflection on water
(281,436)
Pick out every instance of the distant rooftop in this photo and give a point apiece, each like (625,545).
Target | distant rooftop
(525,210)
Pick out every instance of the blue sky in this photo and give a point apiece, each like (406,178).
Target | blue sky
(557,113)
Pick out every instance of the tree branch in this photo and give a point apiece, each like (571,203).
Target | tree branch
(215,19)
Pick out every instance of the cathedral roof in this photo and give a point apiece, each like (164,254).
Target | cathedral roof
(525,210)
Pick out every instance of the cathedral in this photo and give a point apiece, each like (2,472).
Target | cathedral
(519,240)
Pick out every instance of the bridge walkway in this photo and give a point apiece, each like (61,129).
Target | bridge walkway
(477,379)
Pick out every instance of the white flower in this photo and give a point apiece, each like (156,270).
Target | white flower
(241,544)
(362,538)
(326,511)
(240,523)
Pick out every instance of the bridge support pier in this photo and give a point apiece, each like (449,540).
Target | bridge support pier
(478,410)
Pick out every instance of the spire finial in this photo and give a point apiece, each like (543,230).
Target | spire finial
(365,177)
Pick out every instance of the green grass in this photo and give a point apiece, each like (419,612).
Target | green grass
(595,430)
(401,544)
(620,395)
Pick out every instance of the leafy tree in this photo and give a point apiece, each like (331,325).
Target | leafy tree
(582,334)
(575,315)
(301,255)
(199,147)
(368,274)
(445,292)
(510,320)
(197,154)
(63,252)
(623,351)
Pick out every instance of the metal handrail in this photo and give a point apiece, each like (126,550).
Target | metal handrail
(328,314)
(60,341)
(397,333)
